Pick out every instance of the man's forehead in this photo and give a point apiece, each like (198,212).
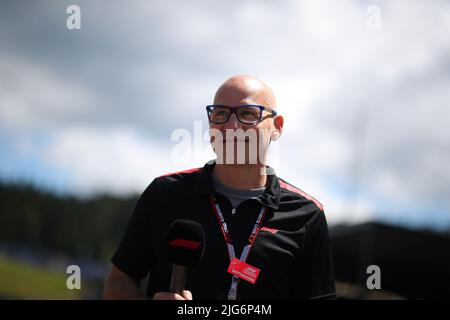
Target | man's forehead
(240,90)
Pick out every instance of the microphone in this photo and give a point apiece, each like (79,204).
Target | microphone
(185,247)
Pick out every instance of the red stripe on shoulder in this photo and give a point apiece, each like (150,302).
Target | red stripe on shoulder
(180,172)
(291,188)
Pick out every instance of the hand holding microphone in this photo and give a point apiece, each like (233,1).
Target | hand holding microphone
(185,247)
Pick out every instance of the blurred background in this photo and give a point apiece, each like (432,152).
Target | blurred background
(87,118)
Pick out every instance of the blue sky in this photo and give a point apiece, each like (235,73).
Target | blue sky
(366,105)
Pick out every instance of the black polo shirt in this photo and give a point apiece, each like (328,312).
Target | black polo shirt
(292,248)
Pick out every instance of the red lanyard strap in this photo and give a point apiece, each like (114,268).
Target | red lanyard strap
(232,293)
(226,232)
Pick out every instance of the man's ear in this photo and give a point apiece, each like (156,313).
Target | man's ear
(278,123)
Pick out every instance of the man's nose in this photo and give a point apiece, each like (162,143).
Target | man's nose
(232,123)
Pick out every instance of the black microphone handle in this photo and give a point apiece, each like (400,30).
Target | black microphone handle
(178,279)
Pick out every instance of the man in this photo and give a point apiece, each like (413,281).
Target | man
(287,252)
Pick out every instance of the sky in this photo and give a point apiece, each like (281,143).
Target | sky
(363,87)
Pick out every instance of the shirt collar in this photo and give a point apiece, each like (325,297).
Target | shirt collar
(270,197)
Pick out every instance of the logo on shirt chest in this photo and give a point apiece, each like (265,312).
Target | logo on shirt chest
(269,230)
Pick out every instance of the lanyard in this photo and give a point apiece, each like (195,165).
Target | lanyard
(232,293)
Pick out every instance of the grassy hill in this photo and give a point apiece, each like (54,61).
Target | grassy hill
(47,225)
(24,281)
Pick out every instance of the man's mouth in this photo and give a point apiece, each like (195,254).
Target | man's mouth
(246,139)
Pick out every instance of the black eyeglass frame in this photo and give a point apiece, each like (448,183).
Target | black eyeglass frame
(235,110)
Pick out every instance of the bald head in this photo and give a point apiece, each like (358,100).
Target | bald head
(244,89)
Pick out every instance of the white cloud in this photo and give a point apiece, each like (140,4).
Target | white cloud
(32,96)
(116,160)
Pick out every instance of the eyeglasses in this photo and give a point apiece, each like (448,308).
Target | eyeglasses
(246,114)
